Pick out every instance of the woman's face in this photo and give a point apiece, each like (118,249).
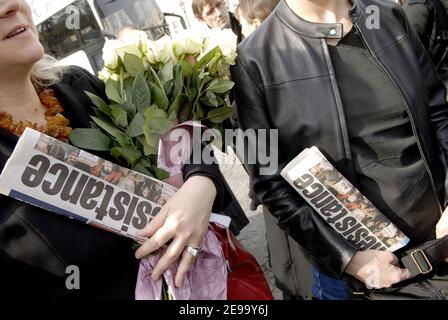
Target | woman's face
(19,40)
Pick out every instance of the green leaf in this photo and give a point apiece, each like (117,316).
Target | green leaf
(119,115)
(195,82)
(141,169)
(148,148)
(166,74)
(208,58)
(128,83)
(172,116)
(199,112)
(174,108)
(211,97)
(97,101)
(131,155)
(123,140)
(178,82)
(158,125)
(151,145)
(129,107)
(159,173)
(160,97)
(133,64)
(185,112)
(90,139)
(222,86)
(220,114)
(107,126)
(113,90)
(141,94)
(168,87)
(135,129)
(130,49)
(154,112)
(187,69)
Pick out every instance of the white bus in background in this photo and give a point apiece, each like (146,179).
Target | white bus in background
(79,38)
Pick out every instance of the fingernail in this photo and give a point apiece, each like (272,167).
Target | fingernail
(138,256)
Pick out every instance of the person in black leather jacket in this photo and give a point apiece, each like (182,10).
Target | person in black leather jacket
(37,246)
(370,100)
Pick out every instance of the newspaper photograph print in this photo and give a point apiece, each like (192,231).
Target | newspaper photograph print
(63,179)
(340,204)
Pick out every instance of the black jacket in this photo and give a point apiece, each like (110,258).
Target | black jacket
(285,80)
(37,246)
(429,18)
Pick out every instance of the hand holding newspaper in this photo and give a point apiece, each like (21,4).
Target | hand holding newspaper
(340,204)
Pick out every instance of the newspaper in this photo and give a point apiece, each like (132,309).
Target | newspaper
(60,178)
(340,204)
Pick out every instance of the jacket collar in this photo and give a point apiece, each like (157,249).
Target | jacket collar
(316,30)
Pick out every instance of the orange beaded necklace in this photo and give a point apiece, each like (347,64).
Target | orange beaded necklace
(57,125)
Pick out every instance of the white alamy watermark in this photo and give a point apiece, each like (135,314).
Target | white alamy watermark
(73,280)
(253,147)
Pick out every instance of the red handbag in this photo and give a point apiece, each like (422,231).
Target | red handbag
(245,280)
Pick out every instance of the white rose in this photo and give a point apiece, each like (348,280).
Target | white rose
(187,43)
(130,49)
(130,36)
(110,55)
(160,51)
(227,42)
(104,74)
(134,37)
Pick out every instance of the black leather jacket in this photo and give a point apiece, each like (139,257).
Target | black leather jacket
(429,18)
(285,80)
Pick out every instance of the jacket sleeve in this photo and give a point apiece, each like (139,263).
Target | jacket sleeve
(436,93)
(329,250)
(418,14)
(213,172)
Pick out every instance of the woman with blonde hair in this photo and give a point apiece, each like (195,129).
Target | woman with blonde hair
(37,247)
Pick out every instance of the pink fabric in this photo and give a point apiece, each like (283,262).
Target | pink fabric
(172,154)
(207,280)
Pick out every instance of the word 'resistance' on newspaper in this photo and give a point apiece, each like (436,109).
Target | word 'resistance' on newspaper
(62,179)
(340,204)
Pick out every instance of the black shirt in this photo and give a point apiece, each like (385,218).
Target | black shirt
(389,169)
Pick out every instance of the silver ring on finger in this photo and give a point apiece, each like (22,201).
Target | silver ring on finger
(192,250)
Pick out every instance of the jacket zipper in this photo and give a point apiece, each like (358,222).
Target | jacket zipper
(408,111)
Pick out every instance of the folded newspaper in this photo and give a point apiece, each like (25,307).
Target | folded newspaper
(340,204)
(60,178)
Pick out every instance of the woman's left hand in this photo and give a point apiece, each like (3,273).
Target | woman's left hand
(184,219)
(442,226)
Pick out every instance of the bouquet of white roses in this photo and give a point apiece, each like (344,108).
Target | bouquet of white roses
(152,87)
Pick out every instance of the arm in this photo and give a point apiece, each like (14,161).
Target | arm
(418,15)
(436,97)
(327,247)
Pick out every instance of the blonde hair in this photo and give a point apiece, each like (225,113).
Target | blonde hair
(46,72)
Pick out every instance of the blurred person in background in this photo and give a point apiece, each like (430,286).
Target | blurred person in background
(251,13)
(216,14)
